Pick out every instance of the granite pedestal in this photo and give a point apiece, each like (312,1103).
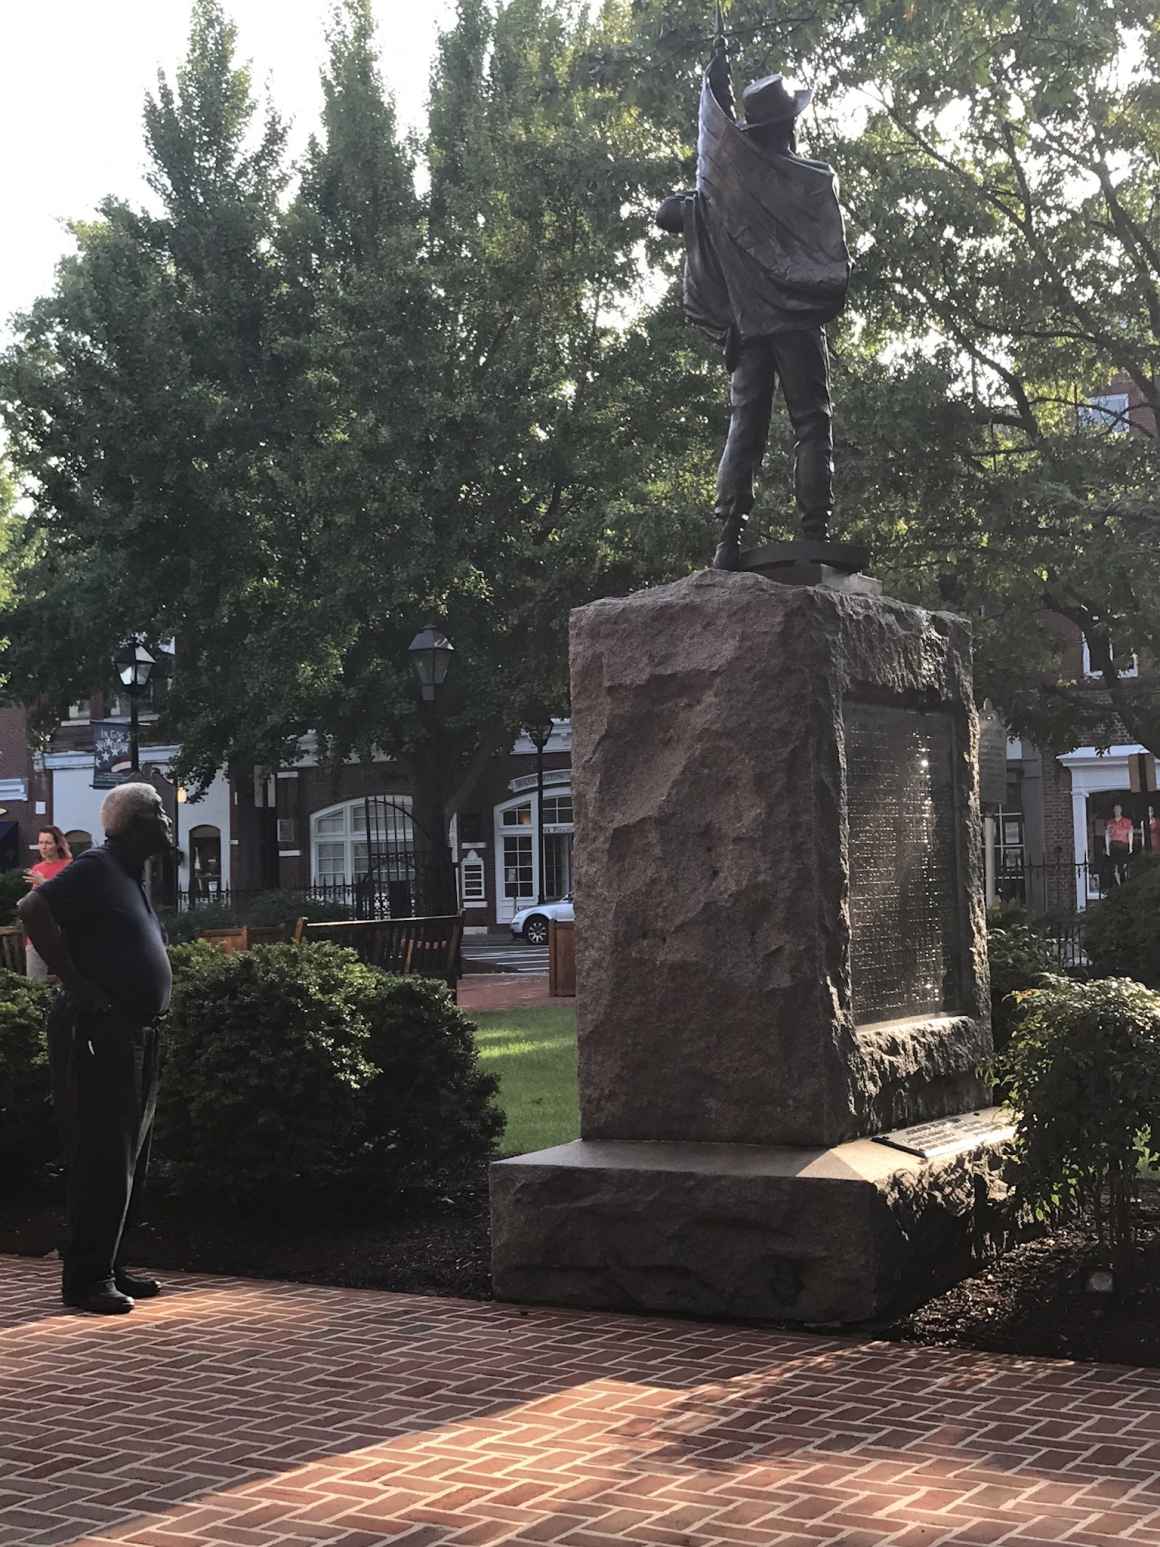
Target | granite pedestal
(780,949)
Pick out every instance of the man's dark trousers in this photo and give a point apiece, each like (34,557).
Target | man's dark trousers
(104,1078)
(800,360)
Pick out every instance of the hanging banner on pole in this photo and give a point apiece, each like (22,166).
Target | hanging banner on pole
(992,758)
(112,759)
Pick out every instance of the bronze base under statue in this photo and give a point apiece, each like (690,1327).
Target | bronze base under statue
(836,566)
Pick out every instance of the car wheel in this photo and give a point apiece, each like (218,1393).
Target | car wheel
(536,930)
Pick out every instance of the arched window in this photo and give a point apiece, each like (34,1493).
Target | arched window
(340,846)
(79,840)
(205,861)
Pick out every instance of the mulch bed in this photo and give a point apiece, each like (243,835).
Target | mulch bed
(442,1248)
(1033,1301)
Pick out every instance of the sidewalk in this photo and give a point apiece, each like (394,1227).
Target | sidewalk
(277,1415)
(504,991)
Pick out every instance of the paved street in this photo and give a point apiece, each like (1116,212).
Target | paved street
(265,1415)
(505,955)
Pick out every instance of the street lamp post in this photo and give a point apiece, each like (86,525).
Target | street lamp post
(135,667)
(430,652)
(539,733)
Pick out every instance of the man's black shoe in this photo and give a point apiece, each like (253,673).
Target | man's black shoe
(139,1288)
(103,1299)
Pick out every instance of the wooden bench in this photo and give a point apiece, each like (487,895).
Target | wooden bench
(242,936)
(427,946)
(12,948)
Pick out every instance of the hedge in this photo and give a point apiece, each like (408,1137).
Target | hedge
(1082,1073)
(293,1076)
(28,1137)
(1122,933)
(296,1072)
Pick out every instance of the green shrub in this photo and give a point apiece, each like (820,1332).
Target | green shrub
(28,1137)
(269,909)
(190,958)
(432,1115)
(296,1073)
(1019,956)
(1122,933)
(1082,1072)
(185,925)
(12,888)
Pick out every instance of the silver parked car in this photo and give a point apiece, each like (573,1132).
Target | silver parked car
(532,923)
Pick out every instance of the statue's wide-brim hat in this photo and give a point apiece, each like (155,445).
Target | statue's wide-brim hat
(769,101)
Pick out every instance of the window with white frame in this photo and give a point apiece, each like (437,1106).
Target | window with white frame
(340,847)
(1108,411)
(1130,670)
(338,844)
(471,872)
(558,810)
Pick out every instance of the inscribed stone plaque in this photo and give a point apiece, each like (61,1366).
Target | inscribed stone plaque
(949,1134)
(904,905)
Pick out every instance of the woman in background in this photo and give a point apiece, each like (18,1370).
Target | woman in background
(55,854)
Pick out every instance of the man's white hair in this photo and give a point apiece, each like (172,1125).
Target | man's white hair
(123,803)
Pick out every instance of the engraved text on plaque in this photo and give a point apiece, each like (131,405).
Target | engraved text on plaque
(904,919)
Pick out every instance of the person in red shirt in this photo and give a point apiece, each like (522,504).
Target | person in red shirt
(55,854)
(1119,841)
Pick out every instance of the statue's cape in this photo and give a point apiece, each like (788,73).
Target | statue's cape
(765,242)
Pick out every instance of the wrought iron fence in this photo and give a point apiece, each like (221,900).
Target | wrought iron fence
(420,886)
(1057,886)
(1058,893)
(338,895)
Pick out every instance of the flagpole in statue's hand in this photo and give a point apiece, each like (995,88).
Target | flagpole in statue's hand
(720,82)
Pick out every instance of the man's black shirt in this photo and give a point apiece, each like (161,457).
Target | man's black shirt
(111,931)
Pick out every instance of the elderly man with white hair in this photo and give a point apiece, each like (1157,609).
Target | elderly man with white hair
(95,928)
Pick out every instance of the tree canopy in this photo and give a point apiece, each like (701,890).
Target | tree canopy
(288,413)
(287,430)
(1000,168)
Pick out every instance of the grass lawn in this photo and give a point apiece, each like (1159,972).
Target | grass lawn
(533,1052)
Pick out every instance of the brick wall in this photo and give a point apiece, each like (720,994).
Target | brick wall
(16,764)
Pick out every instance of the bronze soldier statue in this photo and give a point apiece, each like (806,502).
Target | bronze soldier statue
(766,268)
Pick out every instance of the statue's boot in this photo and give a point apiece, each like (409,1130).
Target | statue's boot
(728,555)
(816,526)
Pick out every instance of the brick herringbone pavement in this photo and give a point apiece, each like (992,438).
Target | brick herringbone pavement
(280,1415)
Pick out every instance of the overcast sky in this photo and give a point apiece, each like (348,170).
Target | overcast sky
(73,78)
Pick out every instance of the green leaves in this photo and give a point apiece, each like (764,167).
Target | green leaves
(288,432)
(293,1070)
(1082,1072)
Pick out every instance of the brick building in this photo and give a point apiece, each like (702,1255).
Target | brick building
(310,828)
(1050,836)
(23,797)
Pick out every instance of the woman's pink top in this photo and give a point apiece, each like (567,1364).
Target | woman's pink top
(1120,829)
(48,868)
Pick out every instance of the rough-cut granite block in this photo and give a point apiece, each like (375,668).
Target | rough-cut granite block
(729,1230)
(724,727)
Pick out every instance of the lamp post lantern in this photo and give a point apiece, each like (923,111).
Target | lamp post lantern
(430,653)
